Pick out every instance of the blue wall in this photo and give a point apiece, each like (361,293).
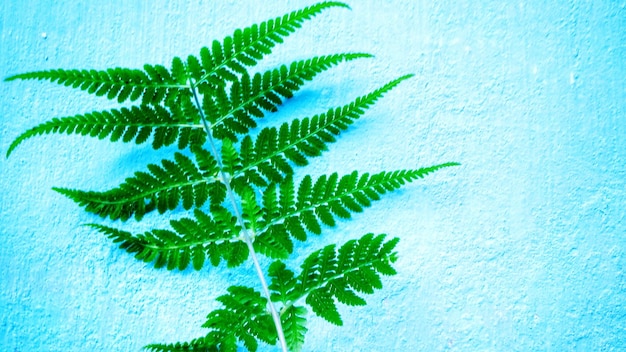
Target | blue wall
(522,248)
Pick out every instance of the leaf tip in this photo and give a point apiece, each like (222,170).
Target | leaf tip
(92,225)
(63,191)
(339,4)
(14,145)
(363,55)
(11,78)
(407,76)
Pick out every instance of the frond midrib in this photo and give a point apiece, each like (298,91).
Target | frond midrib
(40,75)
(141,195)
(187,245)
(52,124)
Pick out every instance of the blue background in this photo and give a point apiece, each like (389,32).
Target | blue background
(522,248)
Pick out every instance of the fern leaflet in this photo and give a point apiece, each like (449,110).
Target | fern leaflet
(268,157)
(244,318)
(246,47)
(294,325)
(202,344)
(192,241)
(138,123)
(153,85)
(162,188)
(289,213)
(329,274)
(234,113)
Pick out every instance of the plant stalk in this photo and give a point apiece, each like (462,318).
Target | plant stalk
(244,230)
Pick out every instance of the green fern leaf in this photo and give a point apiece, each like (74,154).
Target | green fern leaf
(246,47)
(302,139)
(235,254)
(283,282)
(215,96)
(230,158)
(327,276)
(329,197)
(154,84)
(294,325)
(209,343)
(274,243)
(243,318)
(323,305)
(251,211)
(249,97)
(127,124)
(318,267)
(191,242)
(162,188)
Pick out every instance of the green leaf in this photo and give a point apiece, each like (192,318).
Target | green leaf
(329,274)
(215,98)
(251,211)
(137,123)
(243,318)
(294,325)
(191,242)
(323,305)
(153,85)
(302,139)
(246,47)
(331,196)
(230,157)
(283,282)
(162,188)
(249,97)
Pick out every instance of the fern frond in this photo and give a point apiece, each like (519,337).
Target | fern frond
(274,243)
(193,241)
(294,325)
(268,157)
(329,197)
(283,282)
(244,318)
(246,47)
(202,344)
(153,85)
(162,188)
(231,160)
(251,211)
(137,123)
(329,275)
(249,98)
(216,96)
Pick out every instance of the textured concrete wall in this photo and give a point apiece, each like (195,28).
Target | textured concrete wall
(520,249)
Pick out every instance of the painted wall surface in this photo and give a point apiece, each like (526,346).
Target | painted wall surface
(522,248)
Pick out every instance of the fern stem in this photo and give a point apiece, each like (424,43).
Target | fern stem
(244,231)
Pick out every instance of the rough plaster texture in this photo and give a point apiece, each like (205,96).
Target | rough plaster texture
(520,249)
